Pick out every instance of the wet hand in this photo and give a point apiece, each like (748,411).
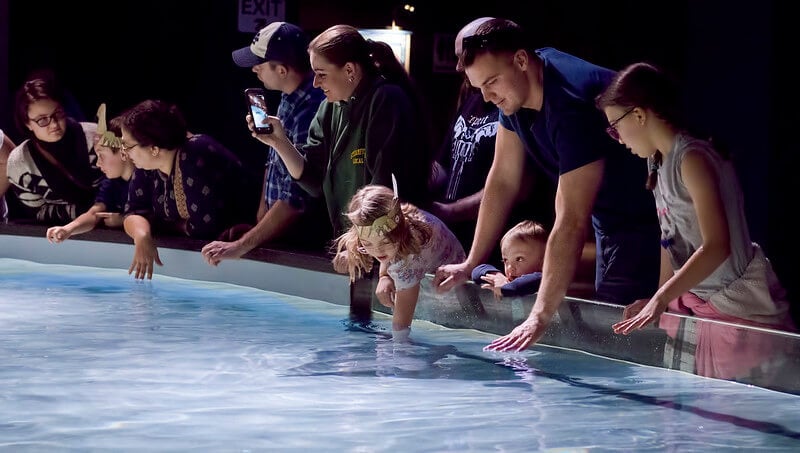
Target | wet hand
(144,255)
(523,336)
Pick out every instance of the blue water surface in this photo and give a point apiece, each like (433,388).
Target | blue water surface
(93,360)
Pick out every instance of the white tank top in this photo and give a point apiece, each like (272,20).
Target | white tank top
(680,230)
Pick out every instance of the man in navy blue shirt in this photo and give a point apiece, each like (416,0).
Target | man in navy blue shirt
(546,99)
(278,56)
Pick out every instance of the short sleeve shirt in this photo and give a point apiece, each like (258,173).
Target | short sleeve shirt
(569,132)
(442,248)
(113,193)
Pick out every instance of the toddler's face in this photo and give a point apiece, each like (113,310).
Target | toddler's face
(522,257)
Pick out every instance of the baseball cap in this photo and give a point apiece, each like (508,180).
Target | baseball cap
(278,41)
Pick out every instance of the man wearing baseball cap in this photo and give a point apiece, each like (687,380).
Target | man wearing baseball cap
(278,56)
(279,42)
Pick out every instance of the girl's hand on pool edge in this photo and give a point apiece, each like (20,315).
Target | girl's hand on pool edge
(639,314)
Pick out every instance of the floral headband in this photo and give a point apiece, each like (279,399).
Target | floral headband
(386,223)
(107,138)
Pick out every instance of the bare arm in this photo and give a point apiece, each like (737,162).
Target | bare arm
(262,205)
(666,271)
(405,303)
(575,196)
(503,185)
(145,252)
(700,180)
(274,223)
(83,223)
(277,220)
(459,210)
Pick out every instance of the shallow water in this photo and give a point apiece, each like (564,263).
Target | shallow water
(95,361)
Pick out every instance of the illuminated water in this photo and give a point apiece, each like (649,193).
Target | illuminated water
(91,360)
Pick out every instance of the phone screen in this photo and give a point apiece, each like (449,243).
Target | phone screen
(258,110)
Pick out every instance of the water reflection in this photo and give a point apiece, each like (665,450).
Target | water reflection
(733,352)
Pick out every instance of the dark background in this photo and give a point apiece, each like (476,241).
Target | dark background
(733,58)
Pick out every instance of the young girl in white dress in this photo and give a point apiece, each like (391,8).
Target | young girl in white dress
(407,242)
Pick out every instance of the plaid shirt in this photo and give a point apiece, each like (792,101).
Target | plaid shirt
(296,110)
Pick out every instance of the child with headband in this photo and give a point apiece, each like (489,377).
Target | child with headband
(407,242)
(112,194)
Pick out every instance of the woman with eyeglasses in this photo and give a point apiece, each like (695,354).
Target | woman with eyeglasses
(184,184)
(52,173)
(709,265)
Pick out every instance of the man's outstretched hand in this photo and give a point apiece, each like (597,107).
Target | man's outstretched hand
(523,336)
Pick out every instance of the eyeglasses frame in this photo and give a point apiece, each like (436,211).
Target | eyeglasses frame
(57,115)
(126,149)
(611,130)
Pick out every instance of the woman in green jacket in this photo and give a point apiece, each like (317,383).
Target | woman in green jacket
(370,126)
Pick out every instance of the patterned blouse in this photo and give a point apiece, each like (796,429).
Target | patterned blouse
(199,198)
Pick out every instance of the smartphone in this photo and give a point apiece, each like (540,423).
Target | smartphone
(257,103)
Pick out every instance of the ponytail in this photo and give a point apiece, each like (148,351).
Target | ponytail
(653,164)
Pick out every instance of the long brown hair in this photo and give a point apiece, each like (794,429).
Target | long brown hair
(645,86)
(369,203)
(343,43)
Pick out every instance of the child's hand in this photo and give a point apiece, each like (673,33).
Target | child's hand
(57,234)
(495,282)
(386,291)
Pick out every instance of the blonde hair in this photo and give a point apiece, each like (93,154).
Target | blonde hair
(368,204)
(528,231)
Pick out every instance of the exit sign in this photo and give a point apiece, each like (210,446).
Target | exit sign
(257,14)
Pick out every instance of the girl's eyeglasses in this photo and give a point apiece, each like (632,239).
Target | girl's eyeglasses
(612,126)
